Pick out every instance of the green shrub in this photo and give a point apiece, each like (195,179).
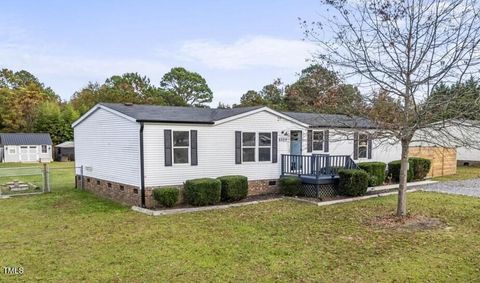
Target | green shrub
(394,170)
(421,167)
(203,191)
(290,185)
(352,182)
(166,196)
(234,187)
(376,172)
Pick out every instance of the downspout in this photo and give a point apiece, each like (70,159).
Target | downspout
(142,167)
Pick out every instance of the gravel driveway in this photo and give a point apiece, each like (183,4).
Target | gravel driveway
(465,187)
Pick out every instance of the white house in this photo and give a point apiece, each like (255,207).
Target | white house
(463,135)
(25,147)
(123,151)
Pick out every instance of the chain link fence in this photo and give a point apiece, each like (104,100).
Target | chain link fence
(36,179)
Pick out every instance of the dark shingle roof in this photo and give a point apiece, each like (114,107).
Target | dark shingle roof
(176,114)
(331,120)
(25,139)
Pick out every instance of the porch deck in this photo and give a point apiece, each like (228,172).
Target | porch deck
(316,169)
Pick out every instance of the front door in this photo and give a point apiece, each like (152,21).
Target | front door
(296,142)
(296,149)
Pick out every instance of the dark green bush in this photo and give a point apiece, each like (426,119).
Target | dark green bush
(394,170)
(166,196)
(290,185)
(352,182)
(421,167)
(234,187)
(203,191)
(376,171)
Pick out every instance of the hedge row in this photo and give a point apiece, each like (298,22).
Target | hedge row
(205,191)
(417,170)
(376,172)
(289,185)
(352,182)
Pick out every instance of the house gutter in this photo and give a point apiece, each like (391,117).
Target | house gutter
(142,167)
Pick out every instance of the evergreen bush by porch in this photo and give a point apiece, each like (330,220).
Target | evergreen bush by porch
(233,187)
(204,191)
(376,170)
(289,185)
(421,167)
(166,196)
(352,182)
(394,170)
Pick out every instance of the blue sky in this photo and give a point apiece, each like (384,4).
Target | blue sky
(236,45)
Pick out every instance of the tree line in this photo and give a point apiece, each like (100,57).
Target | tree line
(27,105)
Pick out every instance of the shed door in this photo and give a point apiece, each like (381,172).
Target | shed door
(24,153)
(32,153)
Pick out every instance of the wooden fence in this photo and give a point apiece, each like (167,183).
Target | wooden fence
(444,160)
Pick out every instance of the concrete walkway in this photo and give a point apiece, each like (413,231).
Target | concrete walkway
(395,186)
(469,187)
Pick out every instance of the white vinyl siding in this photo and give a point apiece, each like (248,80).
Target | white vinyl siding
(108,146)
(216,150)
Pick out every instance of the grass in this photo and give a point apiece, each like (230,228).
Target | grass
(463,173)
(70,235)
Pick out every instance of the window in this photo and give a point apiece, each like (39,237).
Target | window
(362,145)
(264,146)
(44,149)
(248,147)
(181,145)
(11,150)
(318,140)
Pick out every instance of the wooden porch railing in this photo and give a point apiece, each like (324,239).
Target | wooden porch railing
(315,164)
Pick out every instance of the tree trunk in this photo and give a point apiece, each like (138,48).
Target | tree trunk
(402,188)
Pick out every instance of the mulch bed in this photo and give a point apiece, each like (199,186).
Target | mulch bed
(247,199)
(406,223)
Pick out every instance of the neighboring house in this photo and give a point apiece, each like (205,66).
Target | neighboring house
(25,147)
(462,135)
(65,151)
(124,151)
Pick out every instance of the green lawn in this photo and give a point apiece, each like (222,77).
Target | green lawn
(70,235)
(463,173)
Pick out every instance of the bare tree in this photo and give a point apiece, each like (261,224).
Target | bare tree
(405,49)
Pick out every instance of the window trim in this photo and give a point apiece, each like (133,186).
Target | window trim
(183,146)
(263,146)
(10,148)
(46,148)
(365,146)
(250,146)
(321,142)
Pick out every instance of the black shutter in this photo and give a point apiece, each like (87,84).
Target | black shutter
(238,147)
(369,150)
(355,146)
(309,140)
(326,139)
(193,148)
(167,139)
(274,147)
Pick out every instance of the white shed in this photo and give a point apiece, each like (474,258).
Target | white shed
(25,147)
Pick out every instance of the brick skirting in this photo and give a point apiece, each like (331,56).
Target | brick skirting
(131,195)
(118,192)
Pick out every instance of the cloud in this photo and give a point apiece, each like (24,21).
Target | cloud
(258,51)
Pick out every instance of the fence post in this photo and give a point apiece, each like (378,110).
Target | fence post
(46,182)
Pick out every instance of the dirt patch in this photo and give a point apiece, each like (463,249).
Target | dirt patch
(407,223)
